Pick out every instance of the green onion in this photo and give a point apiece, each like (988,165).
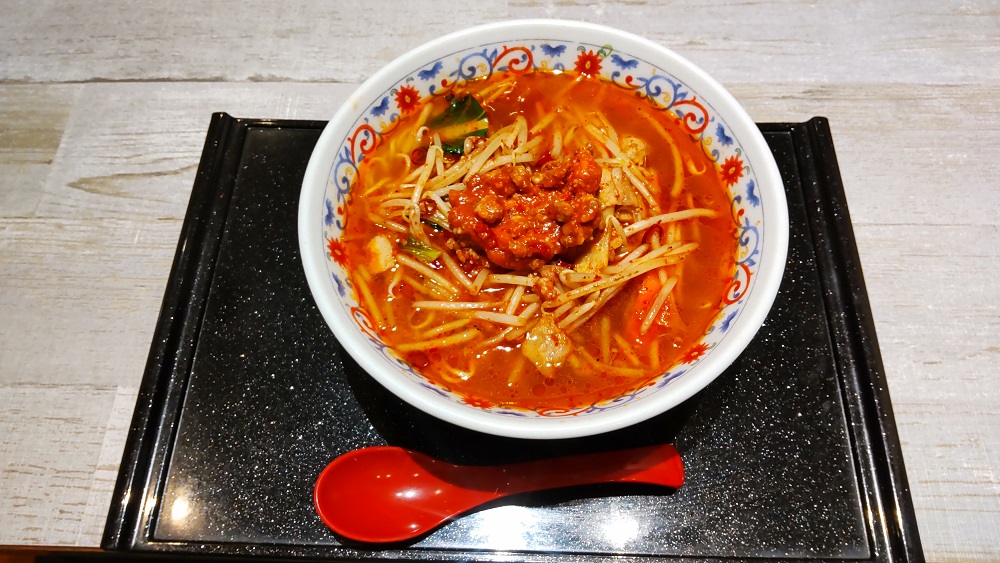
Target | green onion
(419,250)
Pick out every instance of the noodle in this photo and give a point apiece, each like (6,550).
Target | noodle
(505,160)
(605,340)
(425,173)
(511,279)
(425,289)
(397,276)
(615,279)
(366,295)
(654,242)
(453,305)
(654,357)
(380,183)
(569,277)
(640,226)
(422,118)
(661,298)
(449,263)
(579,312)
(513,332)
(447,327)
(542,123)
(501,318)
(527,314)
(418,320)
(387,224)
(515,300)
(481,277)
(606,296)
(395,202)
(427,272)
(439,342)
(562,309)
(607,367)
(626,349)
(678,183)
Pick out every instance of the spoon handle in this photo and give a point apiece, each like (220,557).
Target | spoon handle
(655,465)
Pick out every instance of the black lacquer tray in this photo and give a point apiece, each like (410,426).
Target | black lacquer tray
(791,454)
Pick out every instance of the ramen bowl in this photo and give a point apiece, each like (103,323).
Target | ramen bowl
(709,114)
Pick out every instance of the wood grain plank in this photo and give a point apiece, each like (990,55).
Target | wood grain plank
(131,150)
(933,295)
(79,299)
(33,119)
(934,301)
(765,42)
(106,471)
(253,40)
(907,155)
(50,446)
(925,42)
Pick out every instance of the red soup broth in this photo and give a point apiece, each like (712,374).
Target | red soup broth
(609,355)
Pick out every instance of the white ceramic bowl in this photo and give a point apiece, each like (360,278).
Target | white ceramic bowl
(710,113)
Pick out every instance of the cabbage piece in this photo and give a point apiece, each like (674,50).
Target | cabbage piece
(634,148)
(616,190)
(596,258)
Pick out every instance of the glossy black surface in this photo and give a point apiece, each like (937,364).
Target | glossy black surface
(791,453)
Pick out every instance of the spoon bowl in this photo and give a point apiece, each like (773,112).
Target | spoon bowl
(388,494)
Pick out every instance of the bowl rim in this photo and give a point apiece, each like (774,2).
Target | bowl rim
(768,276)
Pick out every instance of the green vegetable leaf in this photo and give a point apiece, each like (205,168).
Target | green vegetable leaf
(464,117)
(461,110)
(420,250)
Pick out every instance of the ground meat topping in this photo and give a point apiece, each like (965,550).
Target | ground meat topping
(522,219)
(490,209)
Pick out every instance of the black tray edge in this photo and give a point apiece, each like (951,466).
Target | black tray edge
(165,376)
(170,329)
(855,338)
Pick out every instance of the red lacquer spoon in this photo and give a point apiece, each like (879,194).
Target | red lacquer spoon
(389,494)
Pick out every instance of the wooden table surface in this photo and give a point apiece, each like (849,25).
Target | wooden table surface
(104,107)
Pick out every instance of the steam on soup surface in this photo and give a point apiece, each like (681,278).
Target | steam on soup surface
(540,241)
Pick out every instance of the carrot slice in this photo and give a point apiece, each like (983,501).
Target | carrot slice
(643,301)
(667,317)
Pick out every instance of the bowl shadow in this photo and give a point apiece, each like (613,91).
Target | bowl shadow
(403,425)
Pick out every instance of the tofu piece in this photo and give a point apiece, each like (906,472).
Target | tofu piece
(380,252)
(546,345)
